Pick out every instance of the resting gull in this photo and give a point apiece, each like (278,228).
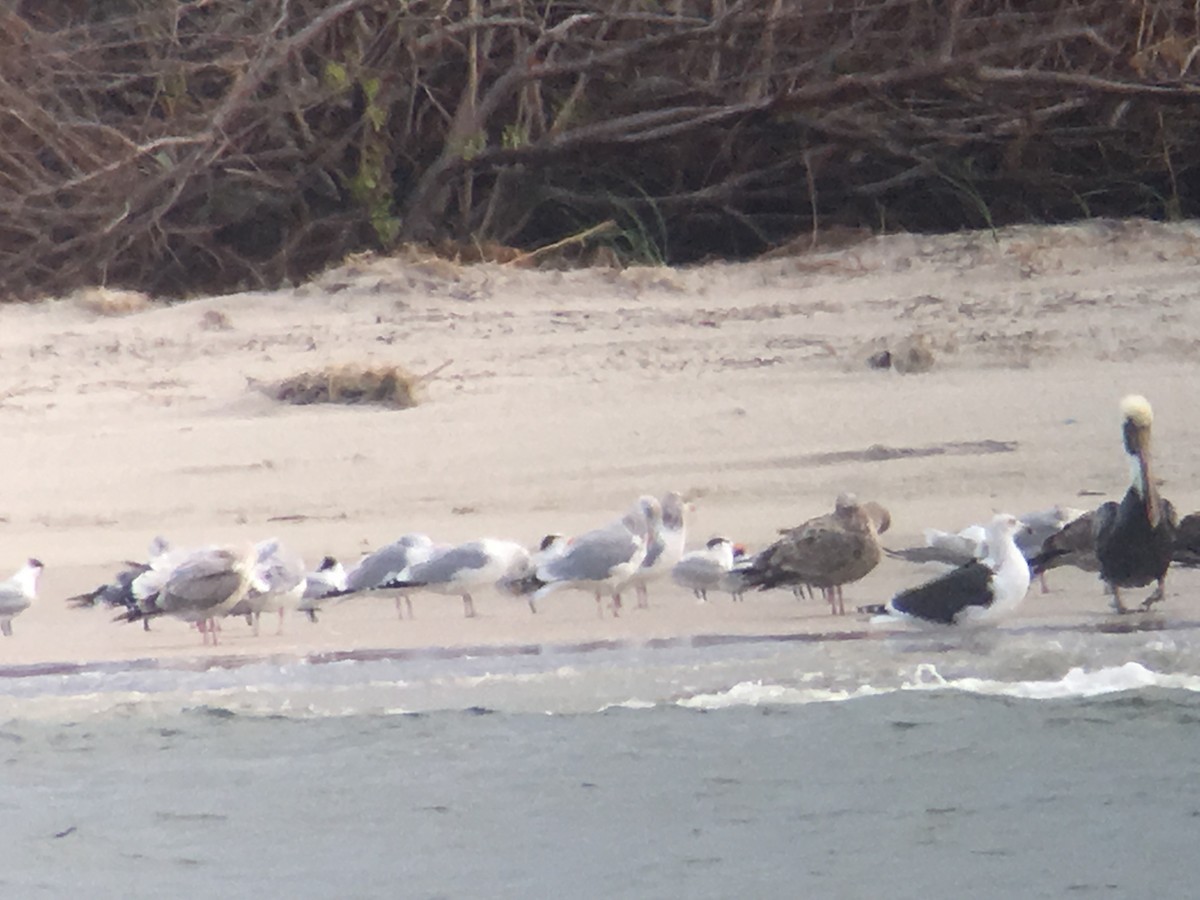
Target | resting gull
(119,591)
(958,548)
(664,546)
(978,591)
(701,571)
(280,581)
(204,585)
(603,559)
(327,580)
(524,584)
(385,565)
(464,568)
(17,593)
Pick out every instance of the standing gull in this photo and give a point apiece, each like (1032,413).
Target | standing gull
(701,571)
(826,552)
(119,591)
(664,547)
(979,591)
(204,586)
(1074,545)
(523,584)
(461,569)
(603,559)
(279,582)
(958,548)
(327,580)
(17,593)
(385,565)
(733,582)
(1135,538)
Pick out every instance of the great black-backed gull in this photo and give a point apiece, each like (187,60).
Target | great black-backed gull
(978,591)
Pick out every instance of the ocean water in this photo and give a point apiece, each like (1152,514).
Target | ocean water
(1009,763)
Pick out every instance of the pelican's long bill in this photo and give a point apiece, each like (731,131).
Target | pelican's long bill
(1138,417)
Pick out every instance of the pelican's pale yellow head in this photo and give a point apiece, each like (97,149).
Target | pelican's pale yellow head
(1137,417)
(1136,409)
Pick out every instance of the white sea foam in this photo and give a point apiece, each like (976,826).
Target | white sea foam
(632,703)
(1022,666)
(756,693)
(1077,682)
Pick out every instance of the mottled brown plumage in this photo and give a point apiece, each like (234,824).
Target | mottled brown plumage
(1187,541)
(826,552)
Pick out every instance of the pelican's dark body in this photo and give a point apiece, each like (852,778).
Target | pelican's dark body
(1131,551)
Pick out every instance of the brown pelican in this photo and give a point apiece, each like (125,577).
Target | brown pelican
(1135,538)
(981,590)
(826,552)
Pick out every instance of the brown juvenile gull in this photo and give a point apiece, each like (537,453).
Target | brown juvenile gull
(826,552)
(1074,545)
(1187,542)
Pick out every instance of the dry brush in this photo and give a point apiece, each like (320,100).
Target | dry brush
(176,147)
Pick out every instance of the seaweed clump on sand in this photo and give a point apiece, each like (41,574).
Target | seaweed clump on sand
(391,386)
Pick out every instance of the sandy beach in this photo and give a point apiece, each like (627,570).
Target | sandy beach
(564,395)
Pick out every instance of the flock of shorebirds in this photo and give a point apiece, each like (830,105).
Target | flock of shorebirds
(1130,544)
